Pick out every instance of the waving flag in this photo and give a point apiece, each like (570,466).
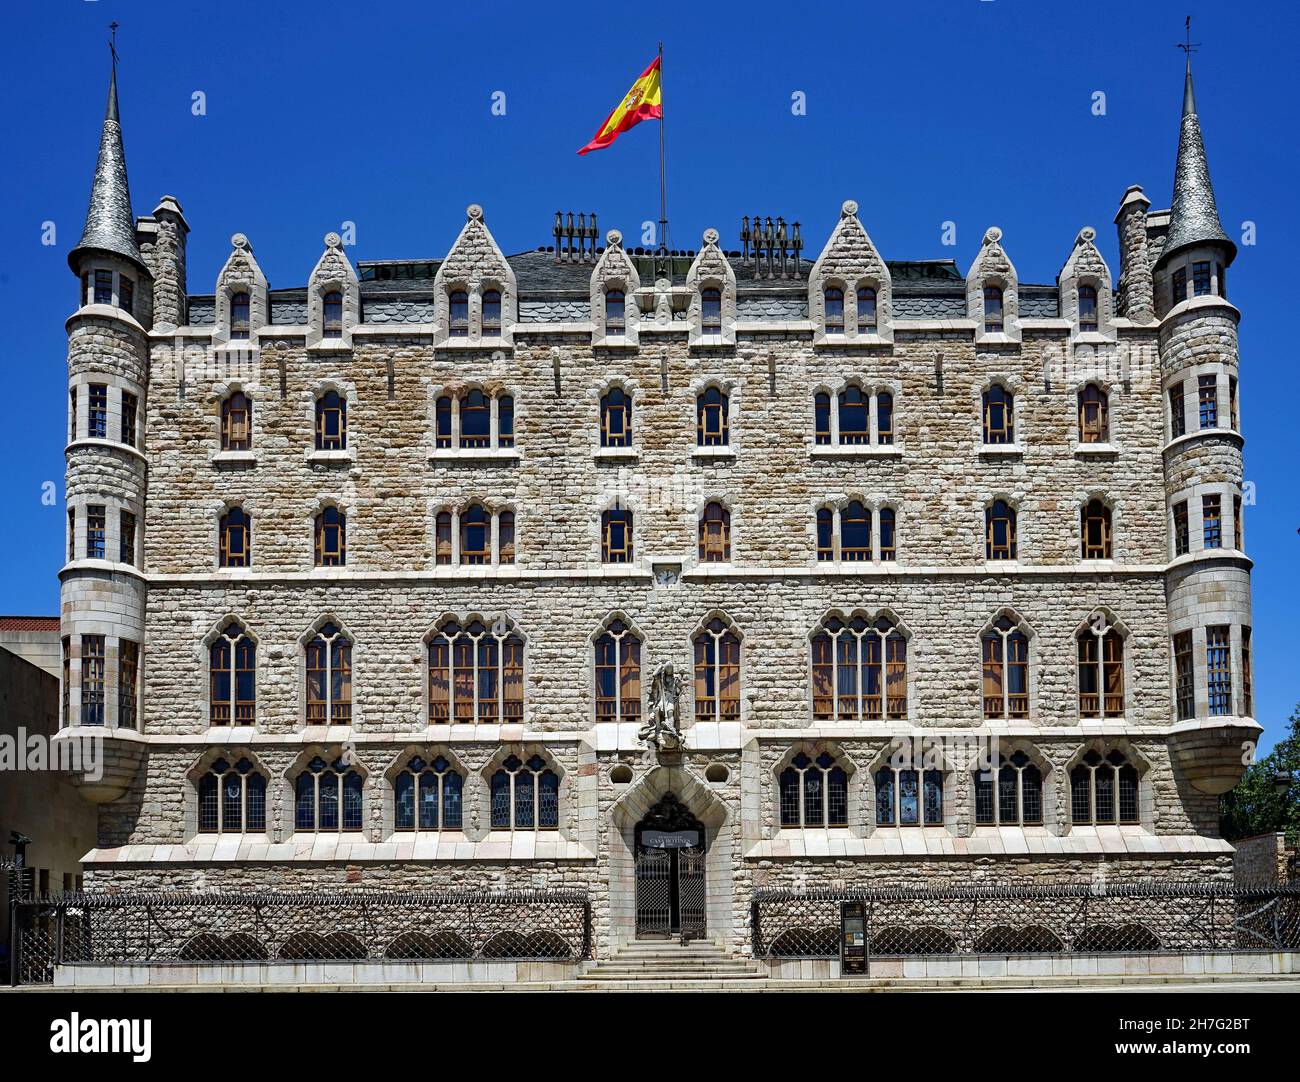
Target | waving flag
(644,101)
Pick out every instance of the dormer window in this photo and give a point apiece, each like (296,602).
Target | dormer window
(239,315)
(1087,308)
(711,311)
(834,305)
(992,309)
(458,313)
(126,294)
(614,312)
(492,313)
(866,309)
(333,314)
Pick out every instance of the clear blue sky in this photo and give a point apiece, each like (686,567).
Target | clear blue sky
(974,111)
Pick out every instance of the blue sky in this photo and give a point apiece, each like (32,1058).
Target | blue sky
(978,112)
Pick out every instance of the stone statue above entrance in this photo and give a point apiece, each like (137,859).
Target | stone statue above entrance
(662,730)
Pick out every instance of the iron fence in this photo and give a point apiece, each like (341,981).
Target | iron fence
(180,928)
(1139,918)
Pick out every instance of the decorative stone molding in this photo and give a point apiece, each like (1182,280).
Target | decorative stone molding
(993,267)
(475,264)
(850,261)
(615,270)
(241,273)
(333,272)
(1086,267)
(710,270)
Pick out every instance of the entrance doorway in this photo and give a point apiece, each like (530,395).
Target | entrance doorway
(670,872)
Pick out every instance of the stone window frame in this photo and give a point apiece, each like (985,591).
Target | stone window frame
(931,751)
(114,505)
(330,751)
(1111,394)
(388,805)
(327,279)
(710,270)
(222,509)
(194,774)
(846,615)
(1226,380)
(634,630)
(1008,747)
(318,507)
(115,386)
(873,505)
(1146,783)
(1115,511)
(215,631)
(853,787)
(1165,304)
(730,390)
(631,389)
(727,502)
(355,702)
(977,278)
(1016,503)
(872,389)
(493,391)
(1089,625)
(347,454)
(1033,664)
(232,279)
(612,499)
(494,508)
(514,627)
(141,306)
(217,397)
(1013,385)
(566,796)
(615,270)
(850,261)
(1196,626)
(702,627)
(1095,273)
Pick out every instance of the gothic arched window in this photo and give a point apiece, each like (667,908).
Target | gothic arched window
(332,305)
(710,311)
(476,674)
(232,799)
(491,313)
(329,677)
(236,536)
(1087,308)
(866,309)
(232,677)
(327,796)
(237,423)
(855,415)
(239,315)
(458,313)
(1014,798)
(618,673)
(1005,649)
(614,312)
(1103,790)
(525,795)
(717,673)
(993,310)
(1101,671)
(908,798)
(833,302)
(814,792)
(428,796)
(859,670)
(331,538)
(715,534)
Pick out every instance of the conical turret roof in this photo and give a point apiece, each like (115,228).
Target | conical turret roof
(1193,216)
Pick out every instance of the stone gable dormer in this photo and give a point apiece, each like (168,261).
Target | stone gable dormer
(333,273)
(850,262)
(241,274)
(614,271)
(1087,267)
(709,271)
(475,265)
(992,268)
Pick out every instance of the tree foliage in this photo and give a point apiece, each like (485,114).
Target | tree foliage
(1255,806)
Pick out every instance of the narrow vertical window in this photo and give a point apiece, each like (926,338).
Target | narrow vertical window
(103,287)
(888,534)
(1218,669)
(95,516)
(1182,535)
(833,302)
(475,535)
(239,315)
(506,537)
(1087,308)
(614,312)
(475,420)
(1000,531)
(1211,522)
(442,422)
(855,415)
(232,677)
(333,314)
(825,534)
(65,718)
(715,534)
(331,538)
(130,409)
(1184,676)
(616,536)
(72,535)
(712,424)
(505,421)
(72,414)
(992,310)
(1094,415)
(1247,687)
(618,674)
(1201,279)
(884,418)
(717,673)
(329,677)
(1207,388)
(1178,286)
(616,418)
(442,537)
(822,418)
(128,670)
(492,313)
(855,532)
(1232,403)
(97,418)
(458,313)
(126,538)
(236,539)
(1005,649)
(866,310)
(999,415)
(237,423)
(1101,672)
(710,311)
(126,294)
(1094,529)
(1177,412)
(331,422)
(92,679)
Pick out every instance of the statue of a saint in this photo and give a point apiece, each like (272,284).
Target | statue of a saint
(660,729)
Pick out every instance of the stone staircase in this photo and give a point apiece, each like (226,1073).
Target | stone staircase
(667,962)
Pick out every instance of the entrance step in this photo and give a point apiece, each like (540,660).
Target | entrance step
(663,961)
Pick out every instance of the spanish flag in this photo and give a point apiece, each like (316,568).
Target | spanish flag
(643,102)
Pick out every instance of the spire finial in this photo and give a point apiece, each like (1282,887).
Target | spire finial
(1189,46)
(112,41)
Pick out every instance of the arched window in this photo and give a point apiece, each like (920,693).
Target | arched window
(1017,798)
(992,310)
(713,427)
(1006,670)
(866,309)
(999,415)
(331,422)
(428,796)
(476,674)
(814,792)
(859,670)
(505,421)
(1087,308)
(888,534)
(614,312)
(232,677)
(491,313)
(855,415)
(505,537)
(237,423)
(327,796)
(1103,790)
(855,532)
(715,534)
(466,420)
(710,311)
(833,300)
(717,673)
(1000,531)
(1094,529)
(333,312)
(618,673)
(475,535)
(232,799)
(1101,670)
(822,418)
(616,536)
(458,313)
(1094,415)
(442,537)
(909,798)
(825,534)
(329,677)
(525,795)
(239,315)
(236,533)
(475,419)
(616,418)
(331,538)
(884,417)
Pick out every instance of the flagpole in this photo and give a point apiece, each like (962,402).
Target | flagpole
(663,196)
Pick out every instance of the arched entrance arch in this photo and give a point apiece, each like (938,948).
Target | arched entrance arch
(670,891)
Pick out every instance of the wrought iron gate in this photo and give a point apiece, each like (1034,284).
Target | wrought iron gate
(670,892)
(690,893)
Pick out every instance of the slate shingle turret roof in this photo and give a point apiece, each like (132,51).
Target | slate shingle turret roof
(1193,216)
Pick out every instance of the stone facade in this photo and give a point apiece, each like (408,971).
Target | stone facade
(929,347)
